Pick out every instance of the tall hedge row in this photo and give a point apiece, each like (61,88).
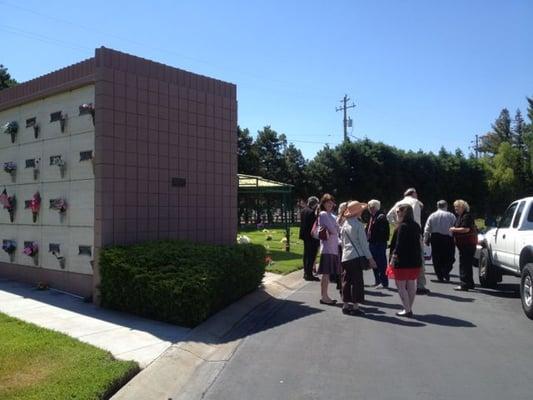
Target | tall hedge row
(178,282)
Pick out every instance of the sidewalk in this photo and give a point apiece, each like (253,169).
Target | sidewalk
(126,336)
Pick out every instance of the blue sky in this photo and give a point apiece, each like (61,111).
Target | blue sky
(423,73)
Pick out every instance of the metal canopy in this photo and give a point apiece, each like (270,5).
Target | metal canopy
(250,184)
(257,184)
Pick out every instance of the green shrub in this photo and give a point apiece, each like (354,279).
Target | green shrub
(178,282)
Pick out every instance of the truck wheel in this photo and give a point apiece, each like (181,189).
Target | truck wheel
(526,290)
(488,276)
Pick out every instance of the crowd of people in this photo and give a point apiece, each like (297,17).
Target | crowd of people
(348,246)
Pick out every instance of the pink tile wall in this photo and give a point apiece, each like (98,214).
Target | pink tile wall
(153,123)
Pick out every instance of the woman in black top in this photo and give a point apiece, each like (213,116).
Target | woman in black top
(465,235)
(405,257)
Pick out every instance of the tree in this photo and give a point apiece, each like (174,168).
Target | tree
(247,155)
(501,132)
(530,109)
(528,145)
(502,126)
(5,78)
(269,147)
(523,168)
(502,180)
(295,164)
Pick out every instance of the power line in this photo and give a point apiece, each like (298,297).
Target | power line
(309,141)
(42,38)
(285,84)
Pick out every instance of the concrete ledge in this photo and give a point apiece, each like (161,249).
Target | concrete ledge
(188,368)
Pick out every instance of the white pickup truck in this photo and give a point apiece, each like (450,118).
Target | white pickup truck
(508,250)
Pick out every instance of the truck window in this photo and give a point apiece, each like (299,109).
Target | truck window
(505,222)
(530,215)
(516,220)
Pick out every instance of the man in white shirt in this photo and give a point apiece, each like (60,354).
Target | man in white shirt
(411,198)
(437,232)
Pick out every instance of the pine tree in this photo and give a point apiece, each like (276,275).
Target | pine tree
(522,169)
(501,133)
(502,126)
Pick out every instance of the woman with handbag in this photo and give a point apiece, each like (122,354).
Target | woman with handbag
(405,257)
(328,233)
(340,220)
(356,257)
(465,235)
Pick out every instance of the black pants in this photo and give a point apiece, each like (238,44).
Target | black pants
(466,257)
(442,253)
(310,252)
(353,285)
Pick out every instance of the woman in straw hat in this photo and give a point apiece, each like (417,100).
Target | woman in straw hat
(329,246)
(405,257)
(356,257)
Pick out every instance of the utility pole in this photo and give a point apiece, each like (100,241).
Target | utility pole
(476,146)
(345,107)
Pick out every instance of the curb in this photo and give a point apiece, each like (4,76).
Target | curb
(188,368)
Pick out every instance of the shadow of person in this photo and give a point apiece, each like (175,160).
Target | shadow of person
(393,320)
(383,305)
(503,290)
(378,293)
(442,320)
(434,274)
(372,310)
(452,297)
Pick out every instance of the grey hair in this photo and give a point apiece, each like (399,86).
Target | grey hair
(462,203)
(442,204)
(312,201)
(375,204)
(342,207)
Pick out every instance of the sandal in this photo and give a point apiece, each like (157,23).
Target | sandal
(332,303)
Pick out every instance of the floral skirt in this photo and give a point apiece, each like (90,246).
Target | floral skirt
(402,274)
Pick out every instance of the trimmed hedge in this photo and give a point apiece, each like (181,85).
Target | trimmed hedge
(176,281)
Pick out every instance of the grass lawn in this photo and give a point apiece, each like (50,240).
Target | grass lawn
(283,262)
(37,363)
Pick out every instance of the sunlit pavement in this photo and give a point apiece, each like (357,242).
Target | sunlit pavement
(460,345)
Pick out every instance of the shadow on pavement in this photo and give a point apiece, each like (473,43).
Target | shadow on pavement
(434,274)
(372,310)
(452,297)
(444,321)
(394,320)
(269,315)
(504,290)
(379,293)
(383,305)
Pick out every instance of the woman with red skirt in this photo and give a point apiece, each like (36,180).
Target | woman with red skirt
(405,257)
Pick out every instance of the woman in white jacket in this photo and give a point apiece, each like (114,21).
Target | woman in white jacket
(355,257)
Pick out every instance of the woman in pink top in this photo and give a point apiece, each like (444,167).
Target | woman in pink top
(329,248)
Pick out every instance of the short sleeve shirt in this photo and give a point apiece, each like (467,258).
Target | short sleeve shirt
(464,221)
